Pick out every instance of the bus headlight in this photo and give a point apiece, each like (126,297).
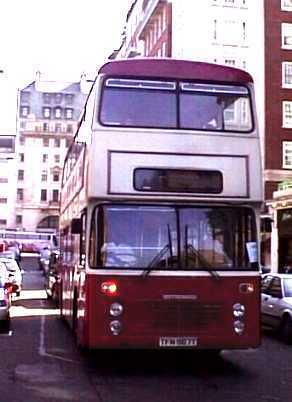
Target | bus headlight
(116,327)
(116,309)
(238,310)
(239,327)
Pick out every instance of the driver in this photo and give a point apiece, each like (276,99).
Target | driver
(117,253)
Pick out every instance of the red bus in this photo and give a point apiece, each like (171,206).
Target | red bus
(160,202)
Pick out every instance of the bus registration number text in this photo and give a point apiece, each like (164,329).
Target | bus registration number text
(174,341)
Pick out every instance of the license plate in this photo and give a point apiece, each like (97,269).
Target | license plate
(177,342)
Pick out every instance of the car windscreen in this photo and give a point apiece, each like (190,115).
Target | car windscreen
(288,287)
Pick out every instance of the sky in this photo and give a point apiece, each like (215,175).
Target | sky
(59,38)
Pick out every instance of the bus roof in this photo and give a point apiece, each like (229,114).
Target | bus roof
(176,69)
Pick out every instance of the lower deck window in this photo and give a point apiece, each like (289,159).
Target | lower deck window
(133,236)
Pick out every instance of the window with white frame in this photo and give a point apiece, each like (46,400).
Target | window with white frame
(287,114)
(47,112)
(286,36)
(287,154)
(287,74)
(286,5)
(231,32)
(24,111)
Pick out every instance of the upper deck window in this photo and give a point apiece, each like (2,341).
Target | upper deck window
(134,103)
(215,107)
(169,104)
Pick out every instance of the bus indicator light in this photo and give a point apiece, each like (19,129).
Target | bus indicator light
(109,288)
(246,288)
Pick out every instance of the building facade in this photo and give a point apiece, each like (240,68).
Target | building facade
(229,32)
(278,130)
(48,113)
(7,181)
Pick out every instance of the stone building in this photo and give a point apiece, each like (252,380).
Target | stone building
(7,181)
(48,112)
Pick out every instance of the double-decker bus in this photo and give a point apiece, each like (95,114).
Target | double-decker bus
(160,202)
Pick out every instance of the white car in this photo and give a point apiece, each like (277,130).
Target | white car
(15,274)
(276,310)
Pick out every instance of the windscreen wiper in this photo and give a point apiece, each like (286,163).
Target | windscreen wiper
(202,261)
(155,259)
(160,254)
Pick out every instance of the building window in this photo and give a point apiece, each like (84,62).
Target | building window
(58,127)
(18,220)
(57,142)
(286,36)
(229,62)
(3,222)
(43,195)
(3,200)
(287,154)
(46,112)
(287,114)
(24,111)
(69,128)
(58,113)
(24,97)
(21,141)
(47,98)
(44,176)
(56,177)
(287,74)
(69,99)
(57,158)
(20,175)
(58,98)
(21,157)
(215,30)
(68,142)
(45,158)
(3,180)
(19,194)
(55,195)
(69,113)
(46,142)
(286,5)
(45,127)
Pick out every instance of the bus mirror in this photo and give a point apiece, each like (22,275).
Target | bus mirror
(76,226)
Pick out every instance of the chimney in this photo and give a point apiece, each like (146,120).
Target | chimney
(37,79)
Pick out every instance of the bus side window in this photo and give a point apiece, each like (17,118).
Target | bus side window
(83,239)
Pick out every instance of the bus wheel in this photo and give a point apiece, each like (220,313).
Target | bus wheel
(286,329)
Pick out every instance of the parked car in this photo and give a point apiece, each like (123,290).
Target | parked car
(5,297)
(15,274)
(276,309)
